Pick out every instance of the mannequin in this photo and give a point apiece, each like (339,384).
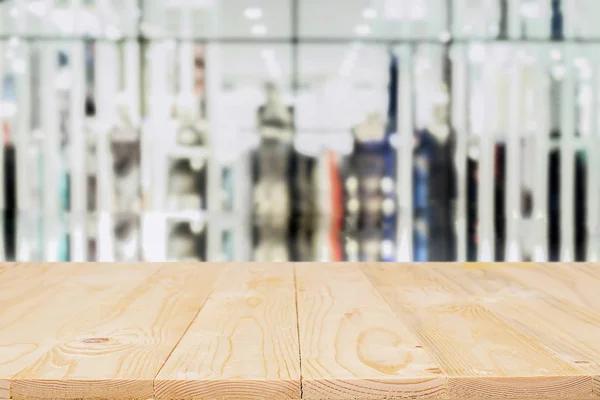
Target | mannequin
(126,158)
(272,176)
(435,156)
(371,130)
(186,185)
(370,193)
(185,242)
(127,239)
(275,118)
(191,130)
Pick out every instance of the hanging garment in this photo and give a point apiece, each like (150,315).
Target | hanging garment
(337,209)
(441,184)
(554,206)
(10,203)
(500,201)
(64,251)
(371,207)
(472,208)
(303,208)
(503,25)
(273,182)
(556,22)
(581,232)
(420,206)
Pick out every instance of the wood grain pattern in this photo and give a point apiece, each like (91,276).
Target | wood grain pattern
(114,346)
(571,330)
(243,343)
(577,283)
(26,296)
(484,356)
(31,293)
(353,345)
(313,331)
(4,389)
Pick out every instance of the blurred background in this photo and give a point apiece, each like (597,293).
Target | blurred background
(300,130)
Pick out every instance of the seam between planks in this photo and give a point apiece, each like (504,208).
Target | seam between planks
(5,389)
(177,344)
(298,330)
(409,327)
(517,328)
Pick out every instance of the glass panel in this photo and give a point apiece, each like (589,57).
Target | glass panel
(373,19)
(259,19)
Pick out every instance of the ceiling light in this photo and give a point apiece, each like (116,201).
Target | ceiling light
(253,13)
(259,30)
(369,13)
(362,30)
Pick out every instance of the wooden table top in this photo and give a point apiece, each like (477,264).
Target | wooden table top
(312,331)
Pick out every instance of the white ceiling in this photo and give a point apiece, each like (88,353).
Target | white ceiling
(336,21)
(257,61)
(339,19)
(316,18)
(225,18)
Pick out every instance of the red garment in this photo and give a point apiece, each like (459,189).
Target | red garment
(337,208)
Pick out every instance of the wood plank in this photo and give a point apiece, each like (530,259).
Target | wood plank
(571,330)
(4,267)
(577,283)
(114,346)
(27,294)
(244,342)
(317,331)
(353,346)
(31,292)
(483,356)
(11,285)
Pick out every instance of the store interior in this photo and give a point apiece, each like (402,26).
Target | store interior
(300,130)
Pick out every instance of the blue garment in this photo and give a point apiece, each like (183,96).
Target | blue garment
(434,188)
(420,241)
(556,23)
(372,163)
(421,197)
(420,186)
(65,186)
